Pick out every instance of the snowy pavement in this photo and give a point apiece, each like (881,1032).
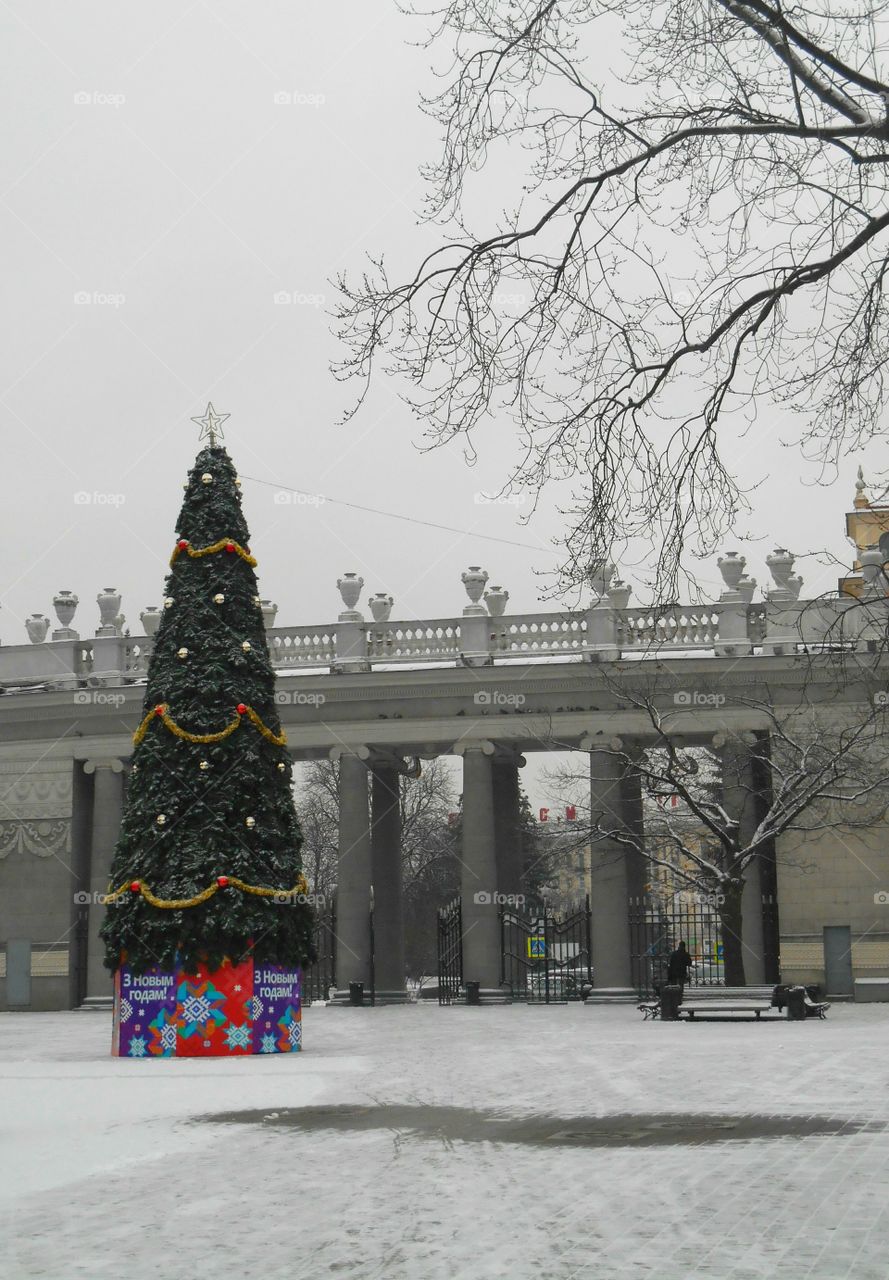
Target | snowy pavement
(105,1173)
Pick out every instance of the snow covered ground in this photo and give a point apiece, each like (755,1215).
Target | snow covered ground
(105,1173)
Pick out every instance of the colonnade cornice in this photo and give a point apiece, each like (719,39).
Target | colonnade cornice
(556,702)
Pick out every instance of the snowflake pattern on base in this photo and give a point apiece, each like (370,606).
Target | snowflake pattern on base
(289,1032)
(238,1037)
(164,1030)
(199,1009)
(196,1009)
(126,1010)
(137,1047)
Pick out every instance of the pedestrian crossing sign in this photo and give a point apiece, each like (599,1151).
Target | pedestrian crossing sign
(537,948)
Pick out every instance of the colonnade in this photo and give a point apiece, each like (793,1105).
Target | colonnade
(491,862)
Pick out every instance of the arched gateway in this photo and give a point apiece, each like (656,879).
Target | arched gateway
(489,688)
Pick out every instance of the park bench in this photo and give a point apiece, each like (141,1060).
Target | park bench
(709,1001)
(715,1001)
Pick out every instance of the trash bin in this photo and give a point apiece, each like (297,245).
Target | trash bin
(473,993)
(779,996)
(796,1003)
(356,993)
(671,999)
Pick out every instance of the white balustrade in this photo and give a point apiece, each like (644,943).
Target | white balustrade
(546,634)
(302,646)
(780,624)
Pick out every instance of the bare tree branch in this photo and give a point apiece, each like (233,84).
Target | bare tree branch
(702,232)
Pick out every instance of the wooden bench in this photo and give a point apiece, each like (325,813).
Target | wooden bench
(706,999)
(711,1001)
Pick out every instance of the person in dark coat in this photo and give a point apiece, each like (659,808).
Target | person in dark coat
(678,966)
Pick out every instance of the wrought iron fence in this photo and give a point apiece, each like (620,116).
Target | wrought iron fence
(319,977)
(657,927)
(546,958)
(450,952)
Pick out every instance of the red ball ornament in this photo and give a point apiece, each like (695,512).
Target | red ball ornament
(135,886)
(242,708)
(159,709)
(182,544)
(229,546)
(222,881)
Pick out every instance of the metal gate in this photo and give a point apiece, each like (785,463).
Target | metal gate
(450,952)
(656,928)
(545,958)
(320,976)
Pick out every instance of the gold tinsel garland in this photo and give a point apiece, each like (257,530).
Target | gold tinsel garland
(221,545)
(178,904)
(160,712)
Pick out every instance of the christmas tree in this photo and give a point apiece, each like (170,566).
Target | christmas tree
(207,866)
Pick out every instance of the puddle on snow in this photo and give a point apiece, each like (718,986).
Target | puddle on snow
(462,1124)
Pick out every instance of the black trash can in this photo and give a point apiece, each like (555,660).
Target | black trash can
(779,996)
(671,999)
(356,993)
(796,1003)
(473,993)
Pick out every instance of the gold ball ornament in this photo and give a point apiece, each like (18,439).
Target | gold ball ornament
(205,764)
(206,478)
(182,653)
(250,822)
(246,646)
(161,819)
(281,766)
(219,598)
(168,602)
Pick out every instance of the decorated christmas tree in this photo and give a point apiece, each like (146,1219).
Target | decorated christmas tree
(207,868)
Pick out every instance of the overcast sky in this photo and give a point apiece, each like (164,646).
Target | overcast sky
(151,166)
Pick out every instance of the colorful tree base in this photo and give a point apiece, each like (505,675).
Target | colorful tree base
(226,1012)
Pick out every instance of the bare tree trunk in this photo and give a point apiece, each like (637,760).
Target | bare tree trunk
(732,946)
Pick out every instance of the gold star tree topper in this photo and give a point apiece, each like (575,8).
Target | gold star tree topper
(211,424)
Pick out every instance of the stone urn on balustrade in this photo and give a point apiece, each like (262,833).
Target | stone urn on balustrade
(65,605)
(350,586)
(746,588)
(619,594)
(37,626)
(380,606)
(599,576)
(108,601)
(496,598)
(731,566)
(474,579)
(150,619)
(780,564)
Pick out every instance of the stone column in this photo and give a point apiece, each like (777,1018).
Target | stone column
(611,876)
(353,959)
(508,851)
(638,869)
(481,916)
(387,883)
(742,801)
(107,810)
